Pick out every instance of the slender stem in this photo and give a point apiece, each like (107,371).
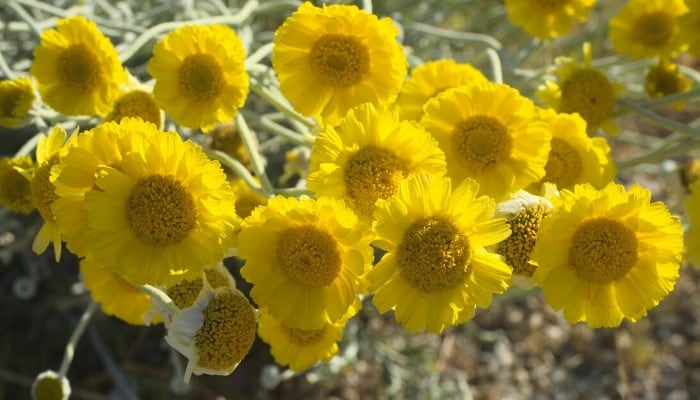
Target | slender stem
(4,68)
(658,119)
(268,122)
(77,333)
(659,155)
(24,15)
(258,164)
(276,100)
(294,192)
(239,169)
(259,55)
(496,66)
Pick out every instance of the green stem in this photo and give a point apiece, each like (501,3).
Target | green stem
(239,169)
(24,15)
(659,155)
(276,100)
(268,122)
(256,160)
(75,337)
(658,119)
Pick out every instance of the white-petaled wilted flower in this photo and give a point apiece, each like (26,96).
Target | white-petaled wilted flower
(49,385)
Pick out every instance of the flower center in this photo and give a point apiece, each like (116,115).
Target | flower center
(43,191)
(8,102)
(15,188)
(161,211)
(185,293)
(664,79)
(79,68)
(48,388)
(433,255)
(549,5)
(653,29)
(227,333)
(201,77)
(480,142)
(589,93)
(603,250)
(302,337)
(215,278)
(339,60)
(563,166)
(308,256)
(373,173)
(136,104)
(518,246)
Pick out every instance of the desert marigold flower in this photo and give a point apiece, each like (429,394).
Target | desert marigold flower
(16,100)
(582,89)
(547,18)
(15,188)
(437,269)
(604,255)
(575,157)
(691,205)
(343,55)
(162,215)
(226,138)
(77,68)
(185,293)
(200,75)
(246,199)
(135,102)
(313,264)
(689,27)
(368,155)
(215,333)
(491,133)
(49,385)
(648,28)
(430,79)
(664,79)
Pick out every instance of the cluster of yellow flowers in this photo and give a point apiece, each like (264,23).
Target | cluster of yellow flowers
(430,191)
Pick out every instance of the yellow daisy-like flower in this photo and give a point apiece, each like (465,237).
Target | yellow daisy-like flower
(430,79)
(15,188)
(575,157)
(368,155)
(246,199)
(437,269)
(607,254)
(226,138)
(166,213)
(200,75)
(16,100)
(691,205)
(185,293)
(116,296)
(139,103)
(49,385)
(343,55)
(547,18)
(302,348)
(582,89)
(689,27)
(490,133)
(664,79)
(77,68)
(312,266)
(215,333)
(648,28)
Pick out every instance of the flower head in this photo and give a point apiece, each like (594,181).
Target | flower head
(664,79)
(547,18)
(368,155)
(200,75)
(490,133)
(689,27)
(49,385)
(691,205)
(15,188)
(437,269)
(16,100)
(604,255)
(136,102)
(77,68)
(313,264)
(343,55)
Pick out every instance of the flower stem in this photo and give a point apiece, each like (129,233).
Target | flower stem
(75,337)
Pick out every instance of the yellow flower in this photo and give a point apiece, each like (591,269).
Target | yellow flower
(246,198)
(302,348)
(607,254)
(200,75)
(136,102)
(368,155)
(437,269)
(225,138)
(185,293)
(311,267)
(648,28)
(77,68)
(491,133)
(664,79)
(430,79)
(575,157)
(215,333)
(15,188)
(16,100)
(333,58)
(49,385)
(689,27)
(547,18)
(692,210)
(582,89)
(116,296)
(163,215)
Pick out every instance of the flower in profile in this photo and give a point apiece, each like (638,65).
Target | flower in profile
(604,255)
(49,385)
(246,198)
(430,79)
(136,102)
(490,133)
(312,266)
(163,213)
(15,188)
(200,75)
(575,157)
(546,18)
(343,55)
(664,79)
(689,27)
(691,206)
(368,155)
(226,138)
(215,333)
(436,268)
(302,348)
(648,28)
(77,68)
(16,100)
(582,89)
